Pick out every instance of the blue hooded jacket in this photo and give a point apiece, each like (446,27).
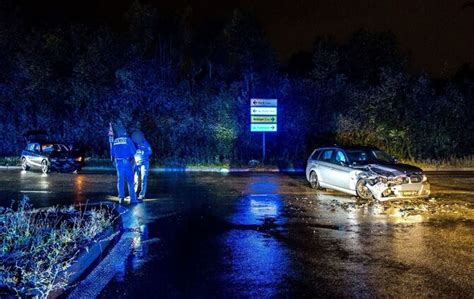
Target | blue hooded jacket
(143,152)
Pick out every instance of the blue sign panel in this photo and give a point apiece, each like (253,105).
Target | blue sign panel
(263,102)
(263,127)
(263,111)
(263,115)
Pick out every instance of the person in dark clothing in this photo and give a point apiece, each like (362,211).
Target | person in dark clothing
(142,163)
(123,151)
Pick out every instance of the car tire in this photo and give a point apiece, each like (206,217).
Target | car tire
(362,191)
(45,167)
(313,180)
(24,164)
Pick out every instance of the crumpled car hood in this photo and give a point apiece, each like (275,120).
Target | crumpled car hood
(388,170)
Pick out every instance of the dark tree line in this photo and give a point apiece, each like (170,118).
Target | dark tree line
(188,88)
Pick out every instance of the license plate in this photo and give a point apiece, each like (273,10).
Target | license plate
(409,193)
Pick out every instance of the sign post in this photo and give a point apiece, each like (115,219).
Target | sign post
(263,118)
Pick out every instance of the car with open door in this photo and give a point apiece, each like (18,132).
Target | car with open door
(367,172)
(46,155)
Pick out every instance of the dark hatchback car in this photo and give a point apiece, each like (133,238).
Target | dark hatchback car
(49,156)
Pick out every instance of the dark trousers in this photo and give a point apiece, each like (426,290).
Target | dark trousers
(125,175)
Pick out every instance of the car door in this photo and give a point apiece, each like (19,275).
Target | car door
(312,162)
(341,170)
(36,155)
(325,165)
(28,152)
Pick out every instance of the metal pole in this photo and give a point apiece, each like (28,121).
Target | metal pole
(263,148)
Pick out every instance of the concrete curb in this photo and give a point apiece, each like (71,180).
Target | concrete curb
(114,261)
(91,285)
(10,167)
(88,256)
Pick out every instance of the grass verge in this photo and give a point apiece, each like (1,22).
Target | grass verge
(37,246)
(447,163)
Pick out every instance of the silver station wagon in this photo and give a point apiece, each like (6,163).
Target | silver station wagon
(366,172)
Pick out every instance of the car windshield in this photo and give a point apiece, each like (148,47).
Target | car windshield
(53,147)
(366,156)
(382,156)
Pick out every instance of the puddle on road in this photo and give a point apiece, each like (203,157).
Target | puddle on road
(197,254)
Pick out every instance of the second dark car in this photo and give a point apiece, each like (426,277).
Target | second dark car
(49,156)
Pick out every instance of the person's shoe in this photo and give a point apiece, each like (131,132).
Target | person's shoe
(121,200)
(132,202)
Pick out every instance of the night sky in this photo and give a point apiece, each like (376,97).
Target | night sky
(437,35)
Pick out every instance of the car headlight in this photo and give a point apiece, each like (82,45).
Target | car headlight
(398,180)
(78,159)
(424,179)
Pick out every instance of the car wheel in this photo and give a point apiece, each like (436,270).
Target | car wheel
(363,191)
(45,167)
(313,180)
(24,164)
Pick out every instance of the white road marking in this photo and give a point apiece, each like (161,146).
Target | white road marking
(36,191)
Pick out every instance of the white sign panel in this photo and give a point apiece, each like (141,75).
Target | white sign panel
(263,128)
(263,110)
(263,102)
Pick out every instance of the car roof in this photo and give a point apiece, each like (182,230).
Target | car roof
(350,147)
(47,142)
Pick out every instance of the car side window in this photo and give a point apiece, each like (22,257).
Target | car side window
(340,157)
(36,148)
(315,156)
(326,156)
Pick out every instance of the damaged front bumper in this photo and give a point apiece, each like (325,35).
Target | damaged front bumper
(389,190)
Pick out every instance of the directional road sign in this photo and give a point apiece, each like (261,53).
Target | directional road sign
(263,127)
(263,102)
(263,119)
(263,110)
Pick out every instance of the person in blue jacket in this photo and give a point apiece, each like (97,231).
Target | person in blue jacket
(142,163)
(123,151)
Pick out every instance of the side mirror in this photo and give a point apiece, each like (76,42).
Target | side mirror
(342,163)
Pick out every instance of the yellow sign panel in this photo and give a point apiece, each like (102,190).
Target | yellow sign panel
(263,119)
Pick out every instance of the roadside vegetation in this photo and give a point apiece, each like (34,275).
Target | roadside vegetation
(447,163)
(37,246)
(188,85)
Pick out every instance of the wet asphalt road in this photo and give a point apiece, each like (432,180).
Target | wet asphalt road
(269,235)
